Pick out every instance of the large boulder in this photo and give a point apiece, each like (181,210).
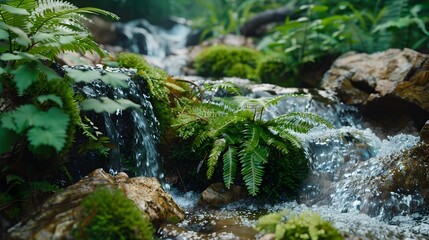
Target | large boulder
(394,81)
(62,212)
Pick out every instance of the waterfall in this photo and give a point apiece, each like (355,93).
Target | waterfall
(133,132)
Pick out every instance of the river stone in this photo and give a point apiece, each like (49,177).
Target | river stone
(62,212)
(395,81)
(217,195)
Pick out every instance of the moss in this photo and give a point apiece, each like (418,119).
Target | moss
(224,61)
(108,214)
(307,225)
(275,69)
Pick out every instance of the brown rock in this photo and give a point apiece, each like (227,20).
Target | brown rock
(61,213)
(400,73)
(217,195)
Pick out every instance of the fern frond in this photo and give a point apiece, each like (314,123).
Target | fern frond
(299,121)
(275,141)
(288,137)
(227,86)
(219,125)
(252,168)
(251,134)
(229,166)
(218,147)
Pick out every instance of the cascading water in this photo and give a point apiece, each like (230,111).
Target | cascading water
(348,164)
(133,132)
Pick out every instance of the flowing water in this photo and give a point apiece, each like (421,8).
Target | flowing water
(346,163)
(343,160)
(133,132)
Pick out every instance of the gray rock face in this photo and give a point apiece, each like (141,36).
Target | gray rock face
(61,213)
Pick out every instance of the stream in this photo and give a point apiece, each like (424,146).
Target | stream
(342,159)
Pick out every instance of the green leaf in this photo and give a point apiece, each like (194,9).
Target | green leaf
(22,38)
(49,72)
(107,105)
(7,138)
(10,57)
(4,35)
(83,76)
(252,169)
(115,79)
(14,10)
(51,97)
(23,117)
(55,138)
(24,76)
(229,166)
(218,147)
(53,119)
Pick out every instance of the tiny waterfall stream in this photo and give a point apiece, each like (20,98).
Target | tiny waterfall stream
(342,160)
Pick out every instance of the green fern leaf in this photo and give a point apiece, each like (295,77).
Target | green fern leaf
(229,166)
(252,168)
(218,147)
(251,134)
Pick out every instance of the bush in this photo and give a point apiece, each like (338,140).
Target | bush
(224,61)
(108,214)
(307,225)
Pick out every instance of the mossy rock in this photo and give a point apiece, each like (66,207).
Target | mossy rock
(225,61)
(275,70)
(111,215)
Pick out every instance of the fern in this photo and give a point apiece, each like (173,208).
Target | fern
(252,168)
(218,147)
(231,128)
(229,166)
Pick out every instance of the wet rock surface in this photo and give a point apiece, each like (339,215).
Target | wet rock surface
(393,82)
(61,213)
(217,195)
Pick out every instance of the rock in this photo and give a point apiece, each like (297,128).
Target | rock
(62,212)
(269,236)
(424,133)
(394,81)
(217,195)
(387,186)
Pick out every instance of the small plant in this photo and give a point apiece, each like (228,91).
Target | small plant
(108,214)
(307,225)
(233,130)
(225,61)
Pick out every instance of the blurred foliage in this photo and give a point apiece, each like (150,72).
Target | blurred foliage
(325,28)
(224,61)
(306,225)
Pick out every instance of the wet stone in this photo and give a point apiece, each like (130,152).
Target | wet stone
(424,133)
